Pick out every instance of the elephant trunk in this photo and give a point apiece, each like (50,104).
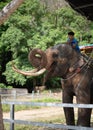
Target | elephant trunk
(38,59)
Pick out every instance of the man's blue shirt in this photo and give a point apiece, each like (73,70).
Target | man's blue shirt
(74,42)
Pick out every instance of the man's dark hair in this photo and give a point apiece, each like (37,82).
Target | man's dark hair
(71,33)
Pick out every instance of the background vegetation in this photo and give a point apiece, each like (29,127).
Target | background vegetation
(36,25)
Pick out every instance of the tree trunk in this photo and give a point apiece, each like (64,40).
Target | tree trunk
(1,116)
(9,9)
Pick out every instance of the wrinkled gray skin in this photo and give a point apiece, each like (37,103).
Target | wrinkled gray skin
(60,59)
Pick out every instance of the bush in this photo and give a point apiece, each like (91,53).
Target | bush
(2,85)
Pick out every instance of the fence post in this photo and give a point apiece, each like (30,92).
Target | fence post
(14,94)
(33,93)
(12,117)
(1,116)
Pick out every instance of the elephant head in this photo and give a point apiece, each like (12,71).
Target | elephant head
(56,61)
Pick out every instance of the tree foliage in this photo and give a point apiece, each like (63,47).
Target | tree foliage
(34,26)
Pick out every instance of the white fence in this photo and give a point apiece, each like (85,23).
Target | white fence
(12,121)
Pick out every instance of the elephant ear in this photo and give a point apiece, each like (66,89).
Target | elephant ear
(79,64)
(37,58)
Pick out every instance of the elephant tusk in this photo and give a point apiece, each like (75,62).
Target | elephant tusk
(33,72)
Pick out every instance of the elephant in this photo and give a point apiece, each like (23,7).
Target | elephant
(76,74)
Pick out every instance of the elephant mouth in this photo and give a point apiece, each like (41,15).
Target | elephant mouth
(38,59)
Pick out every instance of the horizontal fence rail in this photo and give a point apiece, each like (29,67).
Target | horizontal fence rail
(48,125)
(48,104)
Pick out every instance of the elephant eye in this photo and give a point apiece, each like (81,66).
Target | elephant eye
(55,55)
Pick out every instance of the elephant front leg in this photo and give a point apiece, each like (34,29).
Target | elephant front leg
(84,117)
(84,114)
(69,112)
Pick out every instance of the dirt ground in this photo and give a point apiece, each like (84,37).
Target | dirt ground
(42,114)
(45,113)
